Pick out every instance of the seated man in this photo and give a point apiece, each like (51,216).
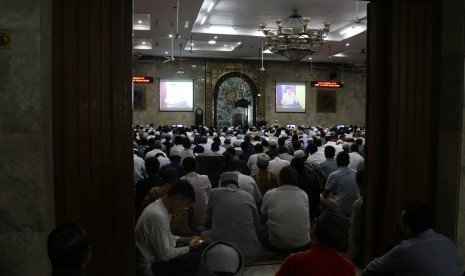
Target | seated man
(329,165)
(175,162)
(285,210)
(232,216)
(425,252)
(202,188)
(142,188)
(69,250)
(342,185)
(265,179)
(322,259)
(156,250)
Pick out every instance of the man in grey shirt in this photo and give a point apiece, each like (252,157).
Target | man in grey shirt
(232,216)
(342,185)
(425,252)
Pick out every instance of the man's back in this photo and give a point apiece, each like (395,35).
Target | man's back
(429,253)
(288,216)
(342,183)
(235,219)
(202,188)
(328,166)
(249,185)
(355,160)
(277,164)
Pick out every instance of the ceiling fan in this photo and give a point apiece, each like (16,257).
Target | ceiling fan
(261,50)
(170,58)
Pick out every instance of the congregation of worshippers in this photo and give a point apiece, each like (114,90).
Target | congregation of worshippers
(210,201)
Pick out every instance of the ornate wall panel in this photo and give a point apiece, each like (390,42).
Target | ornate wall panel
(215,70)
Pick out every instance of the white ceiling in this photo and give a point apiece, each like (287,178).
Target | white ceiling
(236,21)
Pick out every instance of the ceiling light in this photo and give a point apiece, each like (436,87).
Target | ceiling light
(203,20)
(211,6)
(310,58)
(225,45)
(170,35)
(347,44)
(215,37)
(294,38)
(211,42)
(166,52)
(142,44)
(141,22)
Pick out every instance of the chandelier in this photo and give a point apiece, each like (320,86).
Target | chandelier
(293,38)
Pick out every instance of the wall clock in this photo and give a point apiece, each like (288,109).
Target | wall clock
(231,95)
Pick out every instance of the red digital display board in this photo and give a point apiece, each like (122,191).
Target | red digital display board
(327,84)
(138,79)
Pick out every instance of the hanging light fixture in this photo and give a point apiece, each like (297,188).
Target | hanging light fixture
(293,38)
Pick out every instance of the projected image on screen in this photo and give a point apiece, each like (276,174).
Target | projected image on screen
(176,95)
(290,97)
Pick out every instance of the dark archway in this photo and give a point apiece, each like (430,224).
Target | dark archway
(248,80)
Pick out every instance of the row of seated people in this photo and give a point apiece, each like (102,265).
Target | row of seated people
(264,168)
(233,212)
(179,211)
(340,186)
(422,252)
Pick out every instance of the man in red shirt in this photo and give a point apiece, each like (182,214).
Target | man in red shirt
(321,259)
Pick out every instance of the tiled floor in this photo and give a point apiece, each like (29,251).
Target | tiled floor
(270,270)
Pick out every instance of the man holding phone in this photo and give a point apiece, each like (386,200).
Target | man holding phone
(158,251)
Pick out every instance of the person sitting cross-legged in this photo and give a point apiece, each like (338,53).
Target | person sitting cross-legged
(322,258)
(232,217)
(157,252)
(286,212)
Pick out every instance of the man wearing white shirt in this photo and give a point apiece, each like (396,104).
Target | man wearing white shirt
(139,167)
(202,188)
(252,162)
(186,150)
(157,149)
(276,163)
(246,182)
(356,160)
(156,250)
(178,146)
(315,155)
(285,210)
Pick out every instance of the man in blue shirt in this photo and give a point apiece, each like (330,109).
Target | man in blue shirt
(425,252)
(342,185)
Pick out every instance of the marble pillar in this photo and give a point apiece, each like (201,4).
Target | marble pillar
(26,168)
